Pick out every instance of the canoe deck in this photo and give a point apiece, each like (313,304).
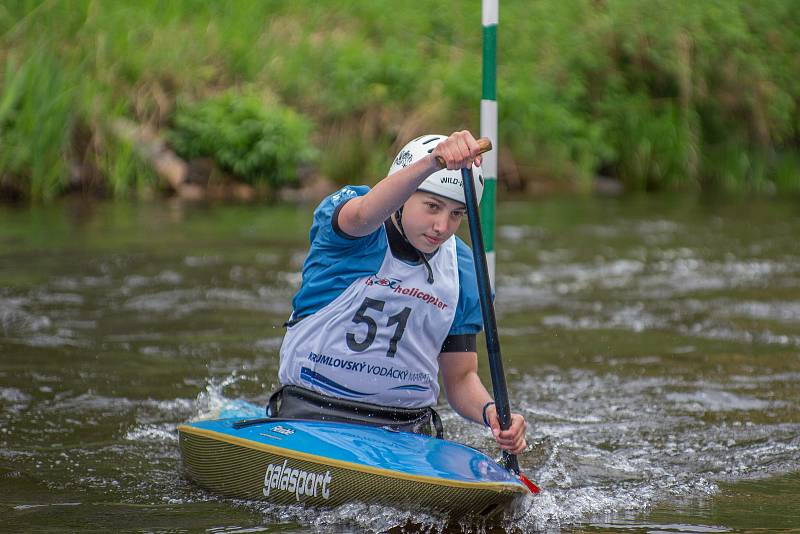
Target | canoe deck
(328,464)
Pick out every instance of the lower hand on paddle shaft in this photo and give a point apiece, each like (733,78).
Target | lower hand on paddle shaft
(513,438)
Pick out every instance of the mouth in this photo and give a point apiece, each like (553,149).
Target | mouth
(432,240)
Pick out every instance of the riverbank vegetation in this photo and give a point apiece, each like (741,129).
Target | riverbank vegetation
(659,95)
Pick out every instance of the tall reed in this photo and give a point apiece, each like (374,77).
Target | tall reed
(36,113)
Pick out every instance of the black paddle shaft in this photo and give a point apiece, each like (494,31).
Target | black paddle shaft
(487,310)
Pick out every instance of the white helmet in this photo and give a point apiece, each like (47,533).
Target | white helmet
(444,182)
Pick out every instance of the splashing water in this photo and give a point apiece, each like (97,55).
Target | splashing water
(212,403)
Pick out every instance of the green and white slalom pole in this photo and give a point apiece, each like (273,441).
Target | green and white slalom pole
(489,128)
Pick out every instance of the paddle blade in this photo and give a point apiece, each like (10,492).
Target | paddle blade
(528,484)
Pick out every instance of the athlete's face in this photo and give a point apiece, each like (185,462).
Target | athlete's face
(429,220)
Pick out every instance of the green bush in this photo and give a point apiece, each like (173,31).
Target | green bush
(260,143)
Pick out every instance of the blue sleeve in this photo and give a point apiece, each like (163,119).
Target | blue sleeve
(322,231)
(335,260)
(468,319)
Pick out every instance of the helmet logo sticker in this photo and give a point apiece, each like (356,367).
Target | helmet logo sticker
(403,158)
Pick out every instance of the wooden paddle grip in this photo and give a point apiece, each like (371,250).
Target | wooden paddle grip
(484,143)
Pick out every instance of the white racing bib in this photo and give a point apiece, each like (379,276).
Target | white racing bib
(379,340)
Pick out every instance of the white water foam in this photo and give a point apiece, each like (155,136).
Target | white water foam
(156,433)
(212,403)
(353,517)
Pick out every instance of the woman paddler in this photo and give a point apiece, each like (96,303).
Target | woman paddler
(389,299)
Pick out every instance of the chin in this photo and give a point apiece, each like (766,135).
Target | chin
(426,247)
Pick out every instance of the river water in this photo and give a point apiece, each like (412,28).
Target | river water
(653,344)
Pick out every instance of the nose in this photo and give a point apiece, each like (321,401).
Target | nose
(440,223)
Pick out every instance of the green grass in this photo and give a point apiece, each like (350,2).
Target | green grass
(664,95)
(36,113)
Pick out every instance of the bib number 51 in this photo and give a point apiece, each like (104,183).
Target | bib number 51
(361,317)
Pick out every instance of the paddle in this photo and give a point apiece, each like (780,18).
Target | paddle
(487,310)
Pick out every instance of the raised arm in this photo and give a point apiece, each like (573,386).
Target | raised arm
(363,215)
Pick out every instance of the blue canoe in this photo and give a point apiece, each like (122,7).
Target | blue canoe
(327,464)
